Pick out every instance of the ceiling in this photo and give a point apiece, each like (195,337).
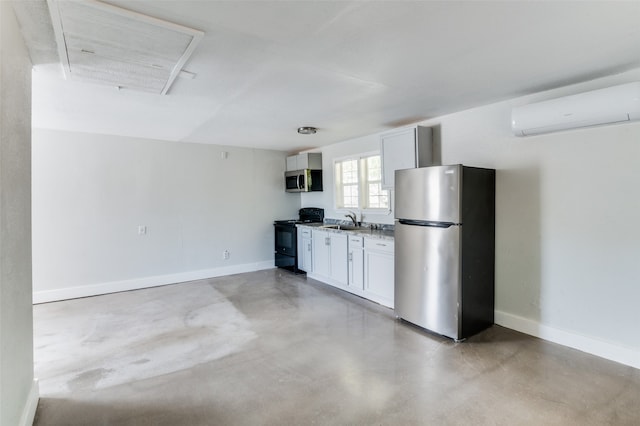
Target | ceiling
(350,68)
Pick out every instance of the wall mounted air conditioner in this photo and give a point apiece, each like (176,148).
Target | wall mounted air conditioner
(615,104)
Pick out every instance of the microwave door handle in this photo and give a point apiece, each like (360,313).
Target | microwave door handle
(300,182)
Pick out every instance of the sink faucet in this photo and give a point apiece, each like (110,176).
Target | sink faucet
(353,218)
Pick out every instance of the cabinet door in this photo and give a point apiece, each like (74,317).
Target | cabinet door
(292,163)
(304,249)
(356,263)
(321,253)
(379,268)
(309,160)
(398,151)
(307,255)
(339,256)
(379,276)
(302,161)
(300,250)
(313,160)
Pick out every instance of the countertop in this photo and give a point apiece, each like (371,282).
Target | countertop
(365,232)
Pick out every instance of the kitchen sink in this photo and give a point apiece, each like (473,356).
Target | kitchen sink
(345,227)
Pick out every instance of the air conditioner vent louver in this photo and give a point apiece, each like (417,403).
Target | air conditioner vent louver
(105,44)
(604,106)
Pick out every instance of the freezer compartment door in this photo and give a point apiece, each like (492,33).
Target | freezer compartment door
(429,193)
(427,277)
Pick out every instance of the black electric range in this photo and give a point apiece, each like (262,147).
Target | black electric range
(286,237)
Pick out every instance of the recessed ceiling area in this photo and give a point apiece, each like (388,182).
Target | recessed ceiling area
(105,44)
(351,68)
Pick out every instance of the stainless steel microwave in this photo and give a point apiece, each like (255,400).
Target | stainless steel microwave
(306,180)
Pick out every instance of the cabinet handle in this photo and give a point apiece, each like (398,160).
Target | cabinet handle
(380,244)
(327,241)
(309,247)
(350,257)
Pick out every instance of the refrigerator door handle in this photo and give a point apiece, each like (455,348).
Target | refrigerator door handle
(427,223)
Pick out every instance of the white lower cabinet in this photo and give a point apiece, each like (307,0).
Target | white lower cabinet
(378,271)
(307,254)
(330,257)
(305,258)
(356,263)
(338,256)
(320,242)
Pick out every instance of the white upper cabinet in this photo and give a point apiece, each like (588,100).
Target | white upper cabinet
(406,148)
(309,160)
(292,163)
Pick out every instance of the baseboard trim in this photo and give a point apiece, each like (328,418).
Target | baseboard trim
(617,353)
(145,282)
(29,411)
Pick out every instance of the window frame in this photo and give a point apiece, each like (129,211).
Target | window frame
(361,185)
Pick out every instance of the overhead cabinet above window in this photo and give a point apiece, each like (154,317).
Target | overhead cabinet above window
(309,160)
(406,148)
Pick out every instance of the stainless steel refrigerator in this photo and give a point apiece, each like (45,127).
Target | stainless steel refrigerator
(445,248)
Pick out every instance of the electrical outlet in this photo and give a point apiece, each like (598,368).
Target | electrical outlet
(142,230)
(226,254)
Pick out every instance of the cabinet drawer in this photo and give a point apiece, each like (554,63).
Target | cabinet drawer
(305,232)
(378,245)
(355,241)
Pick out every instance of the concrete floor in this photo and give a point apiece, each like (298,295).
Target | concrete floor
(276,349)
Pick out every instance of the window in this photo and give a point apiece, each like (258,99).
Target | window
(359,184)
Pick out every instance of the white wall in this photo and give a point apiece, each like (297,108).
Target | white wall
(91,192)
(567,228)
(18,390)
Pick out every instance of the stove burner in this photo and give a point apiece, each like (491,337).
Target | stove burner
(295,221)
(286,222)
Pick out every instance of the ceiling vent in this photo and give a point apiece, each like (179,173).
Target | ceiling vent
(101,43)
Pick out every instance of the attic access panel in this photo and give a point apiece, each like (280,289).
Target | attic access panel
(101,43)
